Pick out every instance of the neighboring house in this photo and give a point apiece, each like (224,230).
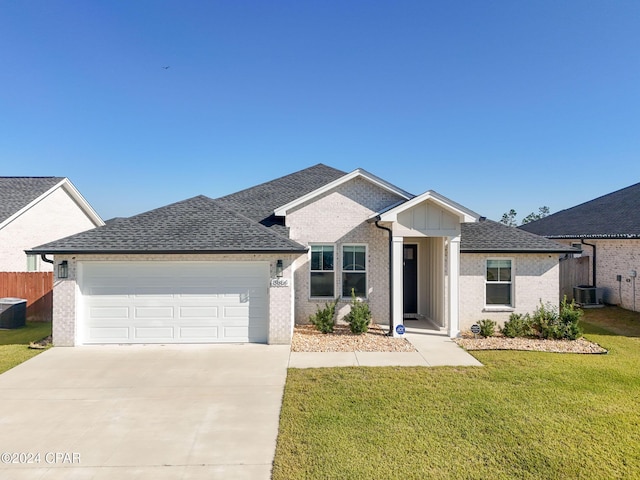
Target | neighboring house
(35,210)
(245,267)
(608,231)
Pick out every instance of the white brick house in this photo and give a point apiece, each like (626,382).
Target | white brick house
(248,266)
(607,229)
(35,210)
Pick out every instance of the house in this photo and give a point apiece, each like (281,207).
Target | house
(35,210)
(247,266)
(607,229)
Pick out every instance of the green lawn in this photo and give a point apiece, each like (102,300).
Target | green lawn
(522,415)
(14,344)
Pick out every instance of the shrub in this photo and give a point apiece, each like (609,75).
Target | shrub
(518,325)
(552,324)
(487,328)
(359,317)
(323,319)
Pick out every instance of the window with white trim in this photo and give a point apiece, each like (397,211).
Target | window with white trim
(354,270)
(498,282)
(322,280)
(32,263)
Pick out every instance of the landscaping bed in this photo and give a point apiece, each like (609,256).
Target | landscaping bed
(306,338)
(469,342)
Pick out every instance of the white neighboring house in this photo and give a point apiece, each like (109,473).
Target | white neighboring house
(36,210)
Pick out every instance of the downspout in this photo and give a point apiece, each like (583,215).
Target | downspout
(390,275)
(593,268)
(44,258)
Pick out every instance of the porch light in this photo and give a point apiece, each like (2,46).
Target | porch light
(279,269)
(63,269)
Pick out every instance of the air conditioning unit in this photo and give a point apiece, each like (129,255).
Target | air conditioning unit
(586,295)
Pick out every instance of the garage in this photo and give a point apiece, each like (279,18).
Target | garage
(173,302)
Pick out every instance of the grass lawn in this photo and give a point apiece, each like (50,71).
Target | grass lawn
(14,344)
(522,415)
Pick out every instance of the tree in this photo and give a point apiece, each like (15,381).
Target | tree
(509,218)
(532,217)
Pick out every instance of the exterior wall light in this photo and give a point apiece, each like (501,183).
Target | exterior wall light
(279,269)
(63,269)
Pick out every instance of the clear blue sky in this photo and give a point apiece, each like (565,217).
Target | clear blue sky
(495,104)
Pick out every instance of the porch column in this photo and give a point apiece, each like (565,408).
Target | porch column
(398,269)
(454,286)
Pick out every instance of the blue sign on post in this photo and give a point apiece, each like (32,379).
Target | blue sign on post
(400,329)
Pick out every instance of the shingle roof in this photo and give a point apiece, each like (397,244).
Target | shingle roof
(616,215)
(199,224)
(17,192)
(259,202)
(488,236)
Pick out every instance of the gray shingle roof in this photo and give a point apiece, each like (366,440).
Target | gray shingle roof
(199,224)
(615,215)
(259,202)
(17,192)
(492,237)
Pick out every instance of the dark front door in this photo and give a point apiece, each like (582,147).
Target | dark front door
(410,280)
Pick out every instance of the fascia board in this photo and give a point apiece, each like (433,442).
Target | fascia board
(283,210)
(82,203)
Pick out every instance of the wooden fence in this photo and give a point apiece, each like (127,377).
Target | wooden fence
(35,287)
(573,272)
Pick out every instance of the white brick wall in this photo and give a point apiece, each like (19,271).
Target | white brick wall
(615,257)
(340,217)
(65,292)
(535,279)
(56,216)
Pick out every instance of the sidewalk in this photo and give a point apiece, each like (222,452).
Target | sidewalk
(434,349)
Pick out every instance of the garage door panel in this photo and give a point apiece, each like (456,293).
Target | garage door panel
(171,302)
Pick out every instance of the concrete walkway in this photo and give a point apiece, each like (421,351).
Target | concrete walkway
(434,349)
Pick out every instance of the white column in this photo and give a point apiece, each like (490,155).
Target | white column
(398,271)
(454,286)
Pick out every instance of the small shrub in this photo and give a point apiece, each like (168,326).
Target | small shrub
(323,319)
(551,324)
(518,325)
(487,328)
(359,317)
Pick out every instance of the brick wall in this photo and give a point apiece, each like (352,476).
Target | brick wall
(535,279)
(65,292)
(339,217)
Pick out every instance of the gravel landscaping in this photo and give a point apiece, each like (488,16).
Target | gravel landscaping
(306,338)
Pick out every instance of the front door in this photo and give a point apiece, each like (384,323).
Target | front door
(410,281)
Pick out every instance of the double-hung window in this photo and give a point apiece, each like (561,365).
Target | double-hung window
(322,273)
(354,270)
(498,283)
(32,263)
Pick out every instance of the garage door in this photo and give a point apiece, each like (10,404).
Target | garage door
(173,302)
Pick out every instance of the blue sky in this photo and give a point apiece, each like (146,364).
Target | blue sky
(495,104)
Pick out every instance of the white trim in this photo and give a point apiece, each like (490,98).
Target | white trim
(454,286)
(398,281)
(72,191)
(365,271)
(498,306)
(359,172)
(463,213)
(322,244)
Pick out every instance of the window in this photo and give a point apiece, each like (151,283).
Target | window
(32,263)
(354,270)
(499,282)
(322,276)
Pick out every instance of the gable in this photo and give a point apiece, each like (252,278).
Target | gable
(427,217)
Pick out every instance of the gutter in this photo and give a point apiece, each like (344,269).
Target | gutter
(593,267)
(391,326)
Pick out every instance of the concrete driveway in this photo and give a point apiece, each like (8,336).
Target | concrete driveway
(138,412)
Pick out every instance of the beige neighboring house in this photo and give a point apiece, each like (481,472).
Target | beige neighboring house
(248,266)
(36,210)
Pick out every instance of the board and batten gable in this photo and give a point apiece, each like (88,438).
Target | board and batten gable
(339,217)
(427,218)
(55,216)
(535,278)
